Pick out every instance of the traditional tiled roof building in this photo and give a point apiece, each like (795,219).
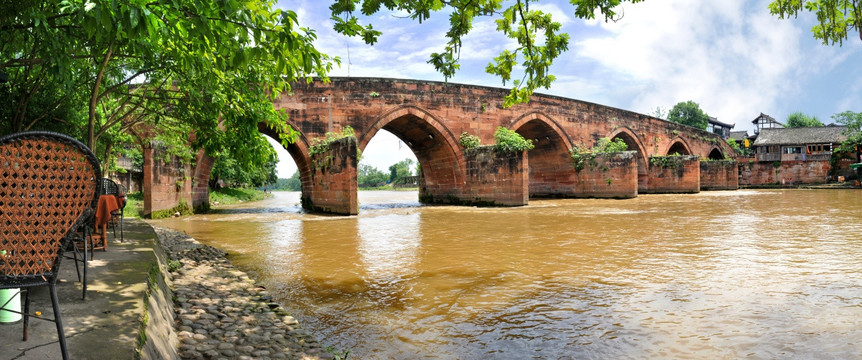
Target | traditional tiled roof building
(798,144)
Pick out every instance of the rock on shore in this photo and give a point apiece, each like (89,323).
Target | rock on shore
(221,313)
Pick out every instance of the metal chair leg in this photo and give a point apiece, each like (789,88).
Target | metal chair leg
(59,320)
(26,294)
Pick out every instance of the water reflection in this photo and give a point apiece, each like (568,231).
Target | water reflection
(389,251)
(763,274)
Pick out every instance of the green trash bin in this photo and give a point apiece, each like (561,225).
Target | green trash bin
(14,299)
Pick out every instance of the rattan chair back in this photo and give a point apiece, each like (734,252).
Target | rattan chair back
(109,187)
(49,185)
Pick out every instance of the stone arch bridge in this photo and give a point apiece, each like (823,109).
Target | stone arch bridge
(430,116)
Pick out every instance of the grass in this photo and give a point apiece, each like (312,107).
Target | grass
(227,196)
(224,196)
(134,205)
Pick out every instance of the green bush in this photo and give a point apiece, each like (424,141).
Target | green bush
(322,145)
(581,156)
(510,141)
(606,145)
(469,141)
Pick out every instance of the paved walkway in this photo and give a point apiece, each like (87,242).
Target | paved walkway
(105,325)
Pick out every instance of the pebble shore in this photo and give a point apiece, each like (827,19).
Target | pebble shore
(222,314)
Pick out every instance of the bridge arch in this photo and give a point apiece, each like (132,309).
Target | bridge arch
(634,144)
(298,150)
(550,172)
(678,145)
(435,147)
(715,154)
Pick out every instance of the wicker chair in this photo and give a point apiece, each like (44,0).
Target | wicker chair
(49,185)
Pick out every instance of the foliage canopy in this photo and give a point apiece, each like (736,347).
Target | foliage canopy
(688,113)
(835,18)
(798,119)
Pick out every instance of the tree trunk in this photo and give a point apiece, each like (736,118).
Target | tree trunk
(94,100)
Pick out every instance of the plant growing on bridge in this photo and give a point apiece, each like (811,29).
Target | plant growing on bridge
(469,141)
(675,160)
(510,141)
(321,145)
(581,156)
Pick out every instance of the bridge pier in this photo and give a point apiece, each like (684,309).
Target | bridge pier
(495,178)
(610,175)
(719,175)
(334,183)
(674,174)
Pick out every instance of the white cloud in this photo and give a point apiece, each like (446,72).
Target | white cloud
(733,59)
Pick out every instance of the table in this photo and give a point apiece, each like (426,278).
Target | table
(107,205)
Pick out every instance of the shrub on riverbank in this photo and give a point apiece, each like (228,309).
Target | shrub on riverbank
(226,196)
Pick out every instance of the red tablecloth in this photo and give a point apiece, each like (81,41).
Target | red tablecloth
(107,204)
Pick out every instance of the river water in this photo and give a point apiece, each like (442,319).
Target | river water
(760,274)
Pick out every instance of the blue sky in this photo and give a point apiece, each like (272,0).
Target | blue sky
(730,56)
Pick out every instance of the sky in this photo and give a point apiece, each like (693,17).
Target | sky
(730,56)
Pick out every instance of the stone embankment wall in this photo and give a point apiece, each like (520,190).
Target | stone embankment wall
(719,175)
(674,174)
(610,175)
(769,173)
(496,178)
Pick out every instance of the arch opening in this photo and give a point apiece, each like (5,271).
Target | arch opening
(298,151)
(551,170)
(381,154)
(439,173)
(716,154)
(678,148)
(633,145)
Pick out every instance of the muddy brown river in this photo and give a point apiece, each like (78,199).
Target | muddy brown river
(737,274)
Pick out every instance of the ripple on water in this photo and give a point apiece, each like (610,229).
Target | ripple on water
(751,273)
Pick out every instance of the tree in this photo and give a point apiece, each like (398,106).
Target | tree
(215,66)
(292,184)
(235,173)
(688,113)
(538,38)
(659,112)
(836,18)
(400,170)
(853,122)
(799,119)
(369,176)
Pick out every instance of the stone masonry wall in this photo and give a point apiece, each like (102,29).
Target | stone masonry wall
(611,175)
(719,175)
(494,178)
(334,182)
(680,174)
(166,183)
(766,173)
(200,180)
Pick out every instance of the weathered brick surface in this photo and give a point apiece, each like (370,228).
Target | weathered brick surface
(334,184)
(495,178)
(430,116)
(719,175)
(200,180)
(766,173)
(166,184)
(612,175)
(682,177)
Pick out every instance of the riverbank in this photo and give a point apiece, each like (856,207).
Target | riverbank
(221,312)
(159,294)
